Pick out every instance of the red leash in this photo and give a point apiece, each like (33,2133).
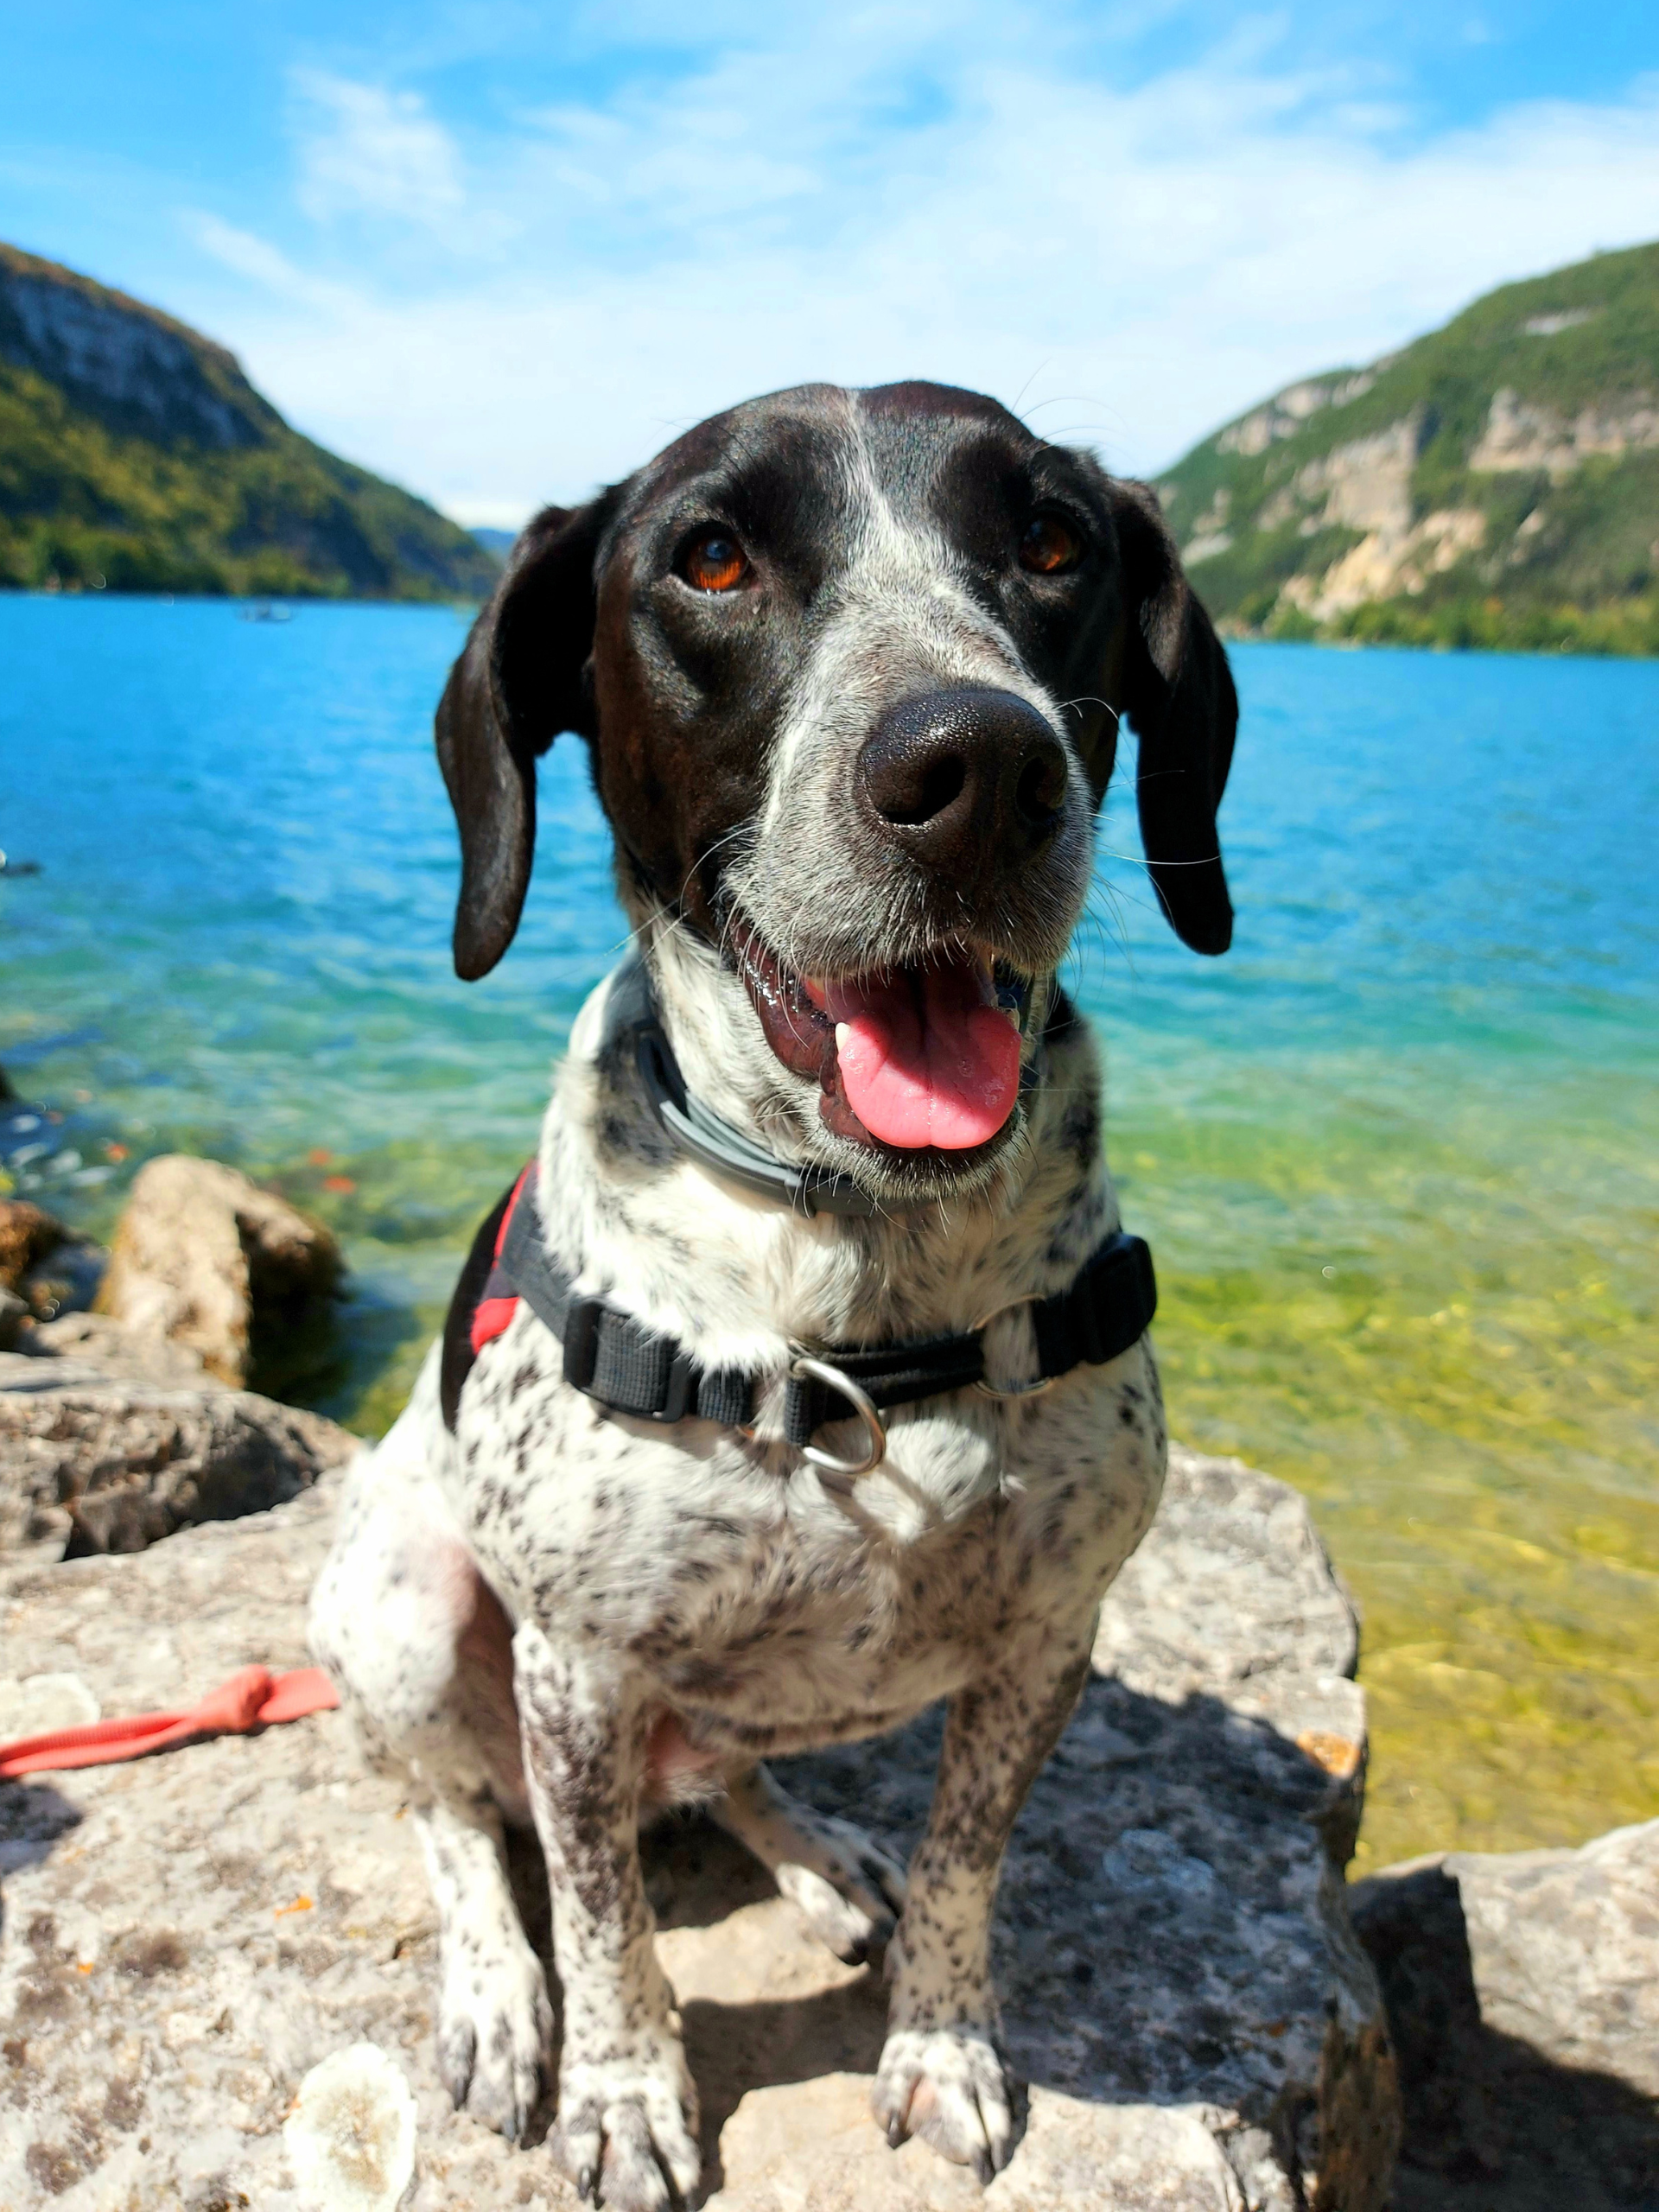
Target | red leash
(253,1698)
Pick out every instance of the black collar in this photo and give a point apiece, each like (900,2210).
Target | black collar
(702,1136)
(699,1132)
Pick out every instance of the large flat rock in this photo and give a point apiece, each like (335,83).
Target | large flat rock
(110,1440)
(187,1937)
(1522,1990)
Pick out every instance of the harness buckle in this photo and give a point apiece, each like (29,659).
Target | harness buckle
(681,1394)
(581,1341)
(581,1327)
(819,1371)
(1033,1389)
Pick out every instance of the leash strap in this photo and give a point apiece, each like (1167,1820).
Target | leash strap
(633,1370)
(252,1698)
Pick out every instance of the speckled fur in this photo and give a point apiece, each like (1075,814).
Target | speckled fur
(570,1616)
(696,1574)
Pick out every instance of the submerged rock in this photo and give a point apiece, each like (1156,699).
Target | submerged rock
(45,1268)
(28,1233)
(204,1258)
(1180,1982)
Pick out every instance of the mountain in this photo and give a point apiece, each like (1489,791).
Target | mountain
(135,455)
(499,542)
(1495,484)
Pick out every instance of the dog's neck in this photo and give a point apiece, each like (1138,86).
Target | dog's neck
(738,1273)
(727,1063)
(724,1056)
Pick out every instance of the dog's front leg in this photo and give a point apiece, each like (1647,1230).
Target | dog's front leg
(627,2108)
(942,2075)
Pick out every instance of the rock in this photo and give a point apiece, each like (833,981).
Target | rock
(1523,1991)
(351,2135)
(44,1268)
(187,1937)
(27,1234)
(205,1258)
(94,1345)
(1280,1651)
(104,1459)
(1134,2157)
(30,1706)
(1565,1947)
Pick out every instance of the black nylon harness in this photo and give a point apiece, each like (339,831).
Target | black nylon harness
(632,1368)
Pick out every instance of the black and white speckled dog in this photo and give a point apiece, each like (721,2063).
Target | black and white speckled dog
(850,666)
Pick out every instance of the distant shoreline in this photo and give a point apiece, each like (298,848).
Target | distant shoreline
(457,601)
(1601,634)
(1578,647)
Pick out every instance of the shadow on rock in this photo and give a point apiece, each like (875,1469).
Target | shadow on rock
(33,1815)
(1492,2124)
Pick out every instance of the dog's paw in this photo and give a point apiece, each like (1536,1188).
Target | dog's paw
(628,2129)
(495,2032)
(845,1887)
(949,2087)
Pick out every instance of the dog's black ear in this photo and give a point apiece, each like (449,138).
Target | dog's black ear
(1178,692)
(522,678)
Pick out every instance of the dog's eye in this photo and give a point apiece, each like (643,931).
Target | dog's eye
(714,562)
(1049,545)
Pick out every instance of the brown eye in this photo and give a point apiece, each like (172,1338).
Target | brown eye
(714,562)
(1049,545)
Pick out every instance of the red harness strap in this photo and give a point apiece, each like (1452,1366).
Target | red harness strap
(253,1698)
(501,1301)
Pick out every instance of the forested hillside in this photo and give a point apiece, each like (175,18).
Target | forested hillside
(1495,484)
(134,456)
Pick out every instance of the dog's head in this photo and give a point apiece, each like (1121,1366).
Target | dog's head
(851,665)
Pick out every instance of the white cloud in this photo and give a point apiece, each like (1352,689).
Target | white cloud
(267,266)
(365,150)
(1131,266)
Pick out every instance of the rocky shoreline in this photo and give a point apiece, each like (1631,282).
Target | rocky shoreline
(119,1426)
(216,1964)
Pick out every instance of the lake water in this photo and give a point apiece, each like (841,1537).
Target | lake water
(1398,1153)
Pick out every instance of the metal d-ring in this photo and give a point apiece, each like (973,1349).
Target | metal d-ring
(1012,1390)
(844,1387)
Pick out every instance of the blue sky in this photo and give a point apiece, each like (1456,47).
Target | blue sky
(502,251)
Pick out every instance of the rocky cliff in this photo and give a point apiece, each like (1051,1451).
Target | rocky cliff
(1496,483)
(134,456)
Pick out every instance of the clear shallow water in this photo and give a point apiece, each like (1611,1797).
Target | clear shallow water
(1398,1153)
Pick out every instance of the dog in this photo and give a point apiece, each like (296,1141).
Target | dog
(850,666)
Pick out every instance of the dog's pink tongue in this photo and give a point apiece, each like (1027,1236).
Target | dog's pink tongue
(925,1060)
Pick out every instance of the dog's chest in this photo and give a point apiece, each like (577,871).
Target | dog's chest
(766,1602)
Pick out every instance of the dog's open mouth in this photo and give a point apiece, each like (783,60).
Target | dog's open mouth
(916,1058)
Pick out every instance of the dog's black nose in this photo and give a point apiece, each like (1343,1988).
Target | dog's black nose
(969,780)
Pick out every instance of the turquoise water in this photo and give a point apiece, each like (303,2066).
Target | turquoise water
(1398,1153)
